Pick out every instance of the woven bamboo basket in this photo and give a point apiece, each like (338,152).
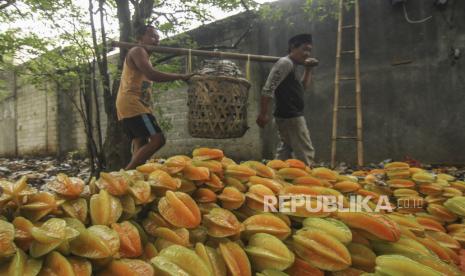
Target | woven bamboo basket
(217,106)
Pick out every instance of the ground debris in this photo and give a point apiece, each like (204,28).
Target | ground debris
(40,170)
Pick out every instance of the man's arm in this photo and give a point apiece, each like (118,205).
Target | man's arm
(278,73)
(141,59)
(307,76)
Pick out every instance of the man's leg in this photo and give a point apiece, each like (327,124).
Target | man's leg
(137,143)
(147,138)
(300,141)
(284,150)
(139,157)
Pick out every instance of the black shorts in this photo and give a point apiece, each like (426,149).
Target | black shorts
(141,126)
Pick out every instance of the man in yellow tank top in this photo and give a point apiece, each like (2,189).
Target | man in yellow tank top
(133,102)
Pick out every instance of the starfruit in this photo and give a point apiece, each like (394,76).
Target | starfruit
(435,247)
(266,223)
(105,209)
(225,161)
(435,264)
(272,184)
(325,173)
(178,260)
(277,164)
(130,241)
(241,172)
(214,183)
(161,181)
(378,225)
(400,265)
(405,192)
(39,205)
(423,177)
(96,242)
(127,267)
(303,268)
(76,208)
(212,259)
(401,247)
(21,265)
(443,239)
(167,237)
(291,173)
(208,154)
(268,252)
(50,235)
(331,226)
(236,183)
(362,257)
(310,181)
(346,186)
(23,236)
(235,258)
(141,192)
(179,209)
(214,166)
(196,173)
(204,195)
(431,189)
(57,264)
(441,212)
(456,205)
(321,250)
(15,192)
(260,169)
(259,195)
(408,221)
(114,183)
(7,235)
(295,163)
(176,163)
(400,183)
(70,187)
(221,223)
(231,198)
(394,166)
(150,167)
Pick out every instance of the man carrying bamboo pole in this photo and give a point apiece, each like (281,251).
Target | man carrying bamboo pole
(133,102)
(287,89)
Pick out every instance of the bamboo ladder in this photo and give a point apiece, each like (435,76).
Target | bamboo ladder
(338,77)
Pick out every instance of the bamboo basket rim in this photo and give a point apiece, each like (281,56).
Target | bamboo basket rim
(227,78)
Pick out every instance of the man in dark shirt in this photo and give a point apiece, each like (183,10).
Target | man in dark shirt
(284,85)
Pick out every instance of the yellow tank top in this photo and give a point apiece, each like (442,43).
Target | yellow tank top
(134,94)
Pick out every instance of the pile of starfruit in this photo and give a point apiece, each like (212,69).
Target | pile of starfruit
(205,216)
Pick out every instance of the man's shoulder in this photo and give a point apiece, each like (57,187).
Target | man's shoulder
(137,51)
(284,63)
(285,60)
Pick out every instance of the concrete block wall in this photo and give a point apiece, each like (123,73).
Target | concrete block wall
(7,127)
(36,120)
(7,114)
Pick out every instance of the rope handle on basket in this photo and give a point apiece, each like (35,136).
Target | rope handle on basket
(247,68)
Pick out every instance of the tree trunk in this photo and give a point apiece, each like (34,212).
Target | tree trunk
(117,145)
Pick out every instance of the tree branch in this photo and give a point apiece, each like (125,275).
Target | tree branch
(8,3)
(245,5)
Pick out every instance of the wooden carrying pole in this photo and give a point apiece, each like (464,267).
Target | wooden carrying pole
(184,51)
